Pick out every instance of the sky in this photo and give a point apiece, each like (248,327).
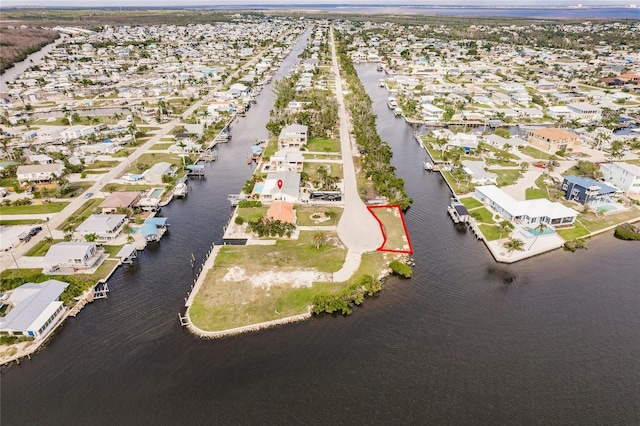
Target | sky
(502,3)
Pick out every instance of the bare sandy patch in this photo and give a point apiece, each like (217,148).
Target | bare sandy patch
(266,279)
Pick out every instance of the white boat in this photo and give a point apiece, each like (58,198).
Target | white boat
(397,111)
(381,83)
(427,165)
(391,102)
(181,190)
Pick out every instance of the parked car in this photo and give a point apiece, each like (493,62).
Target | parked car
(540,165)
(88,195)
(35,230)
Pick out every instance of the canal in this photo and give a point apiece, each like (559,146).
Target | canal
(554,339)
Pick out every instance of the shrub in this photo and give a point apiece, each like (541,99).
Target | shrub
(239,220)
(574,245)
(626,231)
(249,203)
(344,301)
(401,269)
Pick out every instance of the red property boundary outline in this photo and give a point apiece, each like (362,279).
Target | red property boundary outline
(384,236)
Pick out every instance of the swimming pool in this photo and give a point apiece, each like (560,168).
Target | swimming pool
(156,193)
(535,231)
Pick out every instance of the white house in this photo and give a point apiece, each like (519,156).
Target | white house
(35,309)
(432,113)
(586,111)
(466,141)
(77,131)
(528,211)
(105,226)
(153,176)
(269,191)
(286,160)
(293,136)
(476,170)
(560,111)
(71,257)
(623,175)
(38,173)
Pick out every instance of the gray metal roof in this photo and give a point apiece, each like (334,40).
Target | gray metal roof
(30,301)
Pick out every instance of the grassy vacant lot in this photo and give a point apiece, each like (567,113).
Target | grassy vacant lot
(271,148)
(114,187)
(308,156)
(595,222)
(82,213)
(160,146)
(458,188)
(507,177)
(312,170)
(149,159)
(323,145)
(536,153)
(102,165)
(394,231)
(112,250)
(304,213)
(33,208)
(221,304)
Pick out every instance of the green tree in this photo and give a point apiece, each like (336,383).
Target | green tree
(505,227)
(514,244)
(540,228)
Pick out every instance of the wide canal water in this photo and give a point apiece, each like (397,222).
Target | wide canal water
(551,340)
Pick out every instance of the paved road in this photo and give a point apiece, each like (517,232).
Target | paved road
(357,229)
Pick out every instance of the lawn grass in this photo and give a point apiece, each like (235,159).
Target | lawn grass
(535,193)
(499,152)
(82,213)
(115,187)
(102,165)
(304,213)
(483,215)
(221,305)
(470,202)
(160,146)
(458,188)
(311,169)
(147,160)
(270,149)
(577,231)
(394,231)
(507,177)
(251,214)
(490,232)
(536,153)
(77,188)
(34,208)
(323,145)
(112,250)
(9,222)
(335,156)
(595,222)
(41,248)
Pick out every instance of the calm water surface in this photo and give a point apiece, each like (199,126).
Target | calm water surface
(551,340)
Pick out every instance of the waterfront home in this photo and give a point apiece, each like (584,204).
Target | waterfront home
(529,211)
(478,173)
(39,173)
(34,309)
(500,142)
(585,111)
(120,200)
(552,140)
(431,113)
(106,226)
(153,176)
(71,257)
(269,191)
(462,140)
(560,112)
(285,160)
(293,136)
(623,175)
(586,190)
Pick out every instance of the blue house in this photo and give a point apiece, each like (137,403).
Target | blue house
(586,190)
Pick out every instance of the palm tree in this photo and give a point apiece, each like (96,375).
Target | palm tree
(319,239)
(514,244)
(542,226)
(505,226)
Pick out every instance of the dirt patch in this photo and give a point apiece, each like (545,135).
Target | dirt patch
(294,278)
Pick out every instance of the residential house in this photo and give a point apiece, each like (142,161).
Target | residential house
(39,173)
(462,140)
(586,111)
(432,113)
(286,160)
(77,131)
(72,257)
(120,200)
(269,191)
(586,190)
(528,211)
(522,98)
(40,159)
(293,136)
(478,173)
(552,139)
(560,112)
(153,176)
(35,309)
(105,226)
(623,175)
